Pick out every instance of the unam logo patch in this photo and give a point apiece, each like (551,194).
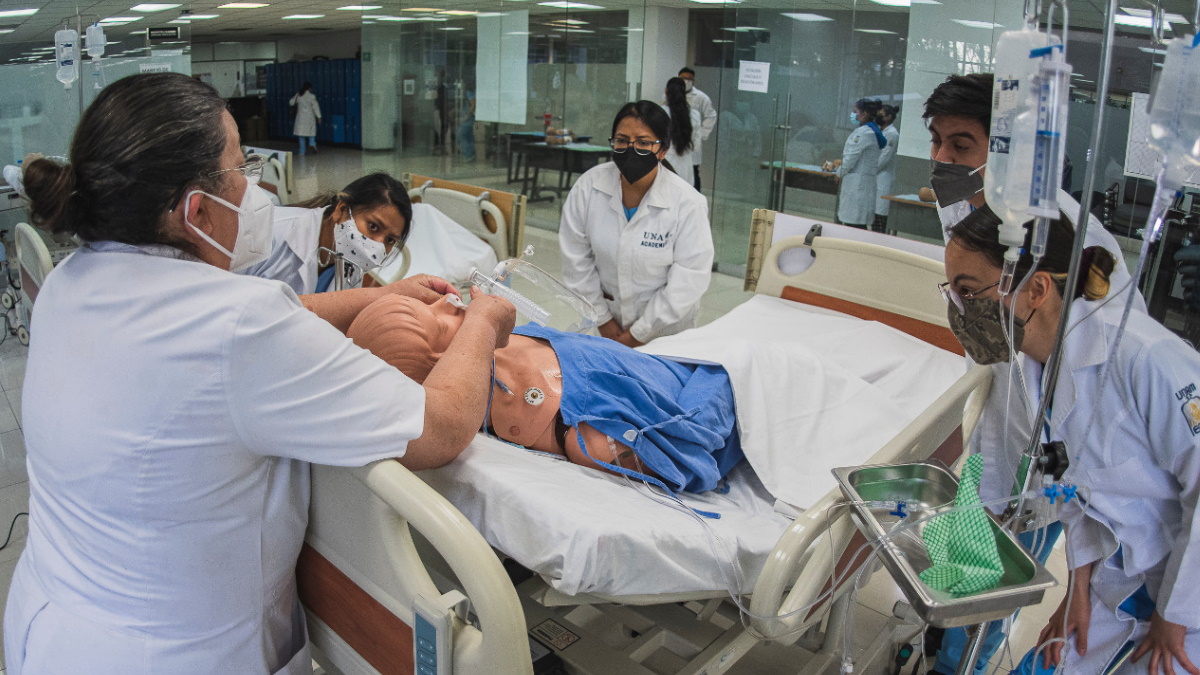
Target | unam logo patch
(1190,407)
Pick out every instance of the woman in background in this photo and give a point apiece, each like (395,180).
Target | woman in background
(887,165)
(685,125)
(856,169)
(308,116)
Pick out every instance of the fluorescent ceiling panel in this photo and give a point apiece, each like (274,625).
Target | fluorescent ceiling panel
(803,16)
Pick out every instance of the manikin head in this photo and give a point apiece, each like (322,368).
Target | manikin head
(407,333)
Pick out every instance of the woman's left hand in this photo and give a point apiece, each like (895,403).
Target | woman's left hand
(1165,645)
(626,338)
(424,287)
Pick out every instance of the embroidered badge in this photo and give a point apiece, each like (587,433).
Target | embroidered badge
(1190,407)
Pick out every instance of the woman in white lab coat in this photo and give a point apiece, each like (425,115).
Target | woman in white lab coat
(685,127)
(1133,539)
(635,239)
(171,408)
(887,165)
(856,169)
(367,221)
(308,116)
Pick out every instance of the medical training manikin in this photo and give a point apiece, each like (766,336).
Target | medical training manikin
(588,399)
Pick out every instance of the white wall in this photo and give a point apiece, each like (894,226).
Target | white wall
(663,41)
(336,45)
(225,76)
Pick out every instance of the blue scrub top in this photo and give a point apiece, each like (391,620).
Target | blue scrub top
(678,417)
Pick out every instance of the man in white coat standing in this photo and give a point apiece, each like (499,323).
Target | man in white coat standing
(698,100)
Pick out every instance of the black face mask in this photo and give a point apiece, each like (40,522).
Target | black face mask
(954,183)
(634,166)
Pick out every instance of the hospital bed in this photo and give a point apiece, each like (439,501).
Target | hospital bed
(35,260)
(382,540)
(496,217)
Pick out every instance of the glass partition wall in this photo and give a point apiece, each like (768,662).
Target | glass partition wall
(454,92)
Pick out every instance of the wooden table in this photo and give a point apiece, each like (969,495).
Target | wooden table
(914,217)
(802,177)
(568,160)
(516,139)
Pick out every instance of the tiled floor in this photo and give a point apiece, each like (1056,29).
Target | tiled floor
(331,170)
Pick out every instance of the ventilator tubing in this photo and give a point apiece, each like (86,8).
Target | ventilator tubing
(526,307)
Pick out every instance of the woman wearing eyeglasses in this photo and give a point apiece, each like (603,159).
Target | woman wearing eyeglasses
(1129,415)
(635,238)
(171,408)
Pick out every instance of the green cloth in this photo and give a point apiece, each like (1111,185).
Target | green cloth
(962,544)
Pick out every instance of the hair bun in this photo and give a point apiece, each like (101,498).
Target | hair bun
(1094,280)
(51,187)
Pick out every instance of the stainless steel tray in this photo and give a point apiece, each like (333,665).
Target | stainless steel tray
(924,486)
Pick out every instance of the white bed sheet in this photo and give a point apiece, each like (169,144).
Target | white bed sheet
(440,246)
(588,532)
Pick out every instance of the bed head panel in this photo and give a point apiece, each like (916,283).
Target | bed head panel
(863,279)
(499,220)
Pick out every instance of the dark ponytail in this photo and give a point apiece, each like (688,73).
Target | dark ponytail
(681,116)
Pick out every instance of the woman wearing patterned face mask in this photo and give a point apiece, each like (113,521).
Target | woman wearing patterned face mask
(171,409)
(1133,539)
(635,237)
(368,222)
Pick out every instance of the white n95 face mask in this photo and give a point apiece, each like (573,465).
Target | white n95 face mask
(256,218)
(364,252)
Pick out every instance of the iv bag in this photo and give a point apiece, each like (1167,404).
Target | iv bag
(1010,156)
(1175,110)
(66,48)
(95,41)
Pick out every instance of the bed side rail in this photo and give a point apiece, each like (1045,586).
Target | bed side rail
(361,522)
(823,533)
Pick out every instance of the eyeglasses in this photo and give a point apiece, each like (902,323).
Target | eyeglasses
(954,298)
(641,147)
(252,169)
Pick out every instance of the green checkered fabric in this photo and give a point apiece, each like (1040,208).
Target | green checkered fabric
(961,544)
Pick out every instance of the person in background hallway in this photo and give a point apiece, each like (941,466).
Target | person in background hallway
(685,127)
(308,116)
(700,101)
(887,165)
(466,128)
(856,169)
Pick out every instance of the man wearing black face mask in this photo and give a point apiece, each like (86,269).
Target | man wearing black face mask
(959,116)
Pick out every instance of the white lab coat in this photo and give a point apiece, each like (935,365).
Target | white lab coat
(294,256)
(308,113)
(683,161)
(1135,453)
(170,411)
(887,170)
(698,100)
(860,161)
(649,272)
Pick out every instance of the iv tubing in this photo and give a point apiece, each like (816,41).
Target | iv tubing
(1081,225)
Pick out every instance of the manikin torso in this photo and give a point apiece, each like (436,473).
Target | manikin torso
(525,414)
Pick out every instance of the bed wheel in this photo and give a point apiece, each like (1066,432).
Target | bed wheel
(23,336)
(7,299)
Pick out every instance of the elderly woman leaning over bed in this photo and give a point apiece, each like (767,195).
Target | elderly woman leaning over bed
(594,401)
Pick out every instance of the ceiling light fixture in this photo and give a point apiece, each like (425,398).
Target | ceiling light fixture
(360,8)
(804,16)
(121,19)
(565,4)
(875,31)
(152,7)
(420,9)
(969,23)
(459,12)
(17,12)
(243,5)
(303,16)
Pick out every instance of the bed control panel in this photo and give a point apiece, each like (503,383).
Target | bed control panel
(433,633)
